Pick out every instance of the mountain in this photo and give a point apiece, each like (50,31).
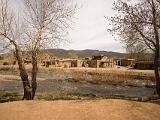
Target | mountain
(61,53)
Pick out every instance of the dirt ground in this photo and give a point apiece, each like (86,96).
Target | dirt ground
(80,110)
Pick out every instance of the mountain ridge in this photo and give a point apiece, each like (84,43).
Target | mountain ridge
(62,53)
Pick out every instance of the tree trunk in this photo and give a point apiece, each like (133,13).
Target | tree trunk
(156,57)
(156,70)
(26,85)
(34,74)
(23,74)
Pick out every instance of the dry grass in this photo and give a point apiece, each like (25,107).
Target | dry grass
(100,71)
(8,97)
(8,68)
(112,76)
(14,77)
(116,72)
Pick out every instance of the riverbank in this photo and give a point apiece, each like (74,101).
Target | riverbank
(82,83)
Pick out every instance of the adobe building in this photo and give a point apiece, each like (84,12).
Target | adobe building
(124,62)
(48,62)
(100,61)
(144,65)
(76,63)
(66,63)
(8,59)
(95,62)
(27,59)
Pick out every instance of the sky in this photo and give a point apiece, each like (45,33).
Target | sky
(89,29)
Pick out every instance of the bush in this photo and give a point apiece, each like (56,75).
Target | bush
(6,63)
(8,97)
(7,68)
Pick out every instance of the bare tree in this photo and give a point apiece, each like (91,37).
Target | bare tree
(45,24)
(139,22)
(138,52)
(10,35)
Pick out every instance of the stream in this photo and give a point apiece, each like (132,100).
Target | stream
(52,83)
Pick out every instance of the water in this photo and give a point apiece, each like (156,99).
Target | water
(59,82)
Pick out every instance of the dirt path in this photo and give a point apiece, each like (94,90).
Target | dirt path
(80,110)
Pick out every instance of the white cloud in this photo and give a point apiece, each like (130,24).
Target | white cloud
(90,27)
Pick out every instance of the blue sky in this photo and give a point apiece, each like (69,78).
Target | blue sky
(89,30)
